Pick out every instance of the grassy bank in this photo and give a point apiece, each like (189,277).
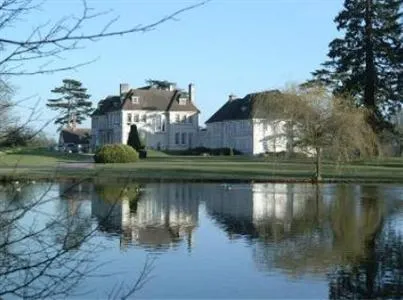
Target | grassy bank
(42,164)
(37,156)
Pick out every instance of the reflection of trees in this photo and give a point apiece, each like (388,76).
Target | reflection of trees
(376,270)
(77,191)
(355,221)
(348,238)
(75,219)
(154,215)
(337,230)
(46,246)
(378,274)
(350,224)
(31,264)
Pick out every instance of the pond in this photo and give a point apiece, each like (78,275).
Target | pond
(82,240)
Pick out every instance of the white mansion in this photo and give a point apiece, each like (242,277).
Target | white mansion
(168,119)
(249,125)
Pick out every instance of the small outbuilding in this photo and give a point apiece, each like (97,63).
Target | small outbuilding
(75,139)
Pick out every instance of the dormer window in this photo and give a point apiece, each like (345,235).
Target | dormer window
(135,99)
(182,101)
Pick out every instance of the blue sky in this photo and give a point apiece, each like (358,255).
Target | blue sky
(226,46)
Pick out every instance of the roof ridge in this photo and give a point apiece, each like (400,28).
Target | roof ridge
(241,108)
(150,99)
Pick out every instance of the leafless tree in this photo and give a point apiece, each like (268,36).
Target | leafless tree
(46,43)
(5,107)
(320,123)
(327,124)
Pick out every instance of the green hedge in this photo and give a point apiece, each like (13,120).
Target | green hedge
(115,153)
(204,150)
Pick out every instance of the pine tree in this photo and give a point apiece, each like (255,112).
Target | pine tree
(73,104)
(367,63)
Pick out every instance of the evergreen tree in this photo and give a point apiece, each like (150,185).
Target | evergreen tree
(367,63)
(134,138)
(160,84)
(73,103)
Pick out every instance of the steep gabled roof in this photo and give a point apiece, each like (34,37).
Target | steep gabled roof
(254,105)
(149,99)
(157,99)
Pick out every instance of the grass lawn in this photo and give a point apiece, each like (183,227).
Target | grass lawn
(37,156)
(43,164)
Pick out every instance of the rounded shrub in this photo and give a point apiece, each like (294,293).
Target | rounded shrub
(115,153)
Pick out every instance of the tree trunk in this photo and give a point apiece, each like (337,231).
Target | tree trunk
(370,70)
(318,175)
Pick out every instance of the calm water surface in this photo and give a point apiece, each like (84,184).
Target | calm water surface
(93,241)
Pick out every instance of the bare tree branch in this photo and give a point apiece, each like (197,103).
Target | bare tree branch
(52,40)
(103,33)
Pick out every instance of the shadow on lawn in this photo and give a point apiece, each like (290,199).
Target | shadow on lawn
(395,162)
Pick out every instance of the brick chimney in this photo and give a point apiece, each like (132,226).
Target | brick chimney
(192,92)
(172,86)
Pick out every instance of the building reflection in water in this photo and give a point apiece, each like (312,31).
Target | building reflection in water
(340,231)
(158,216)
(163,214)
(307,229)
(266,211)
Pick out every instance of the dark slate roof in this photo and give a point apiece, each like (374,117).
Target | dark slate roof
(157,99)
(108,104)
(149,99)
(76,136)
(254,105)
